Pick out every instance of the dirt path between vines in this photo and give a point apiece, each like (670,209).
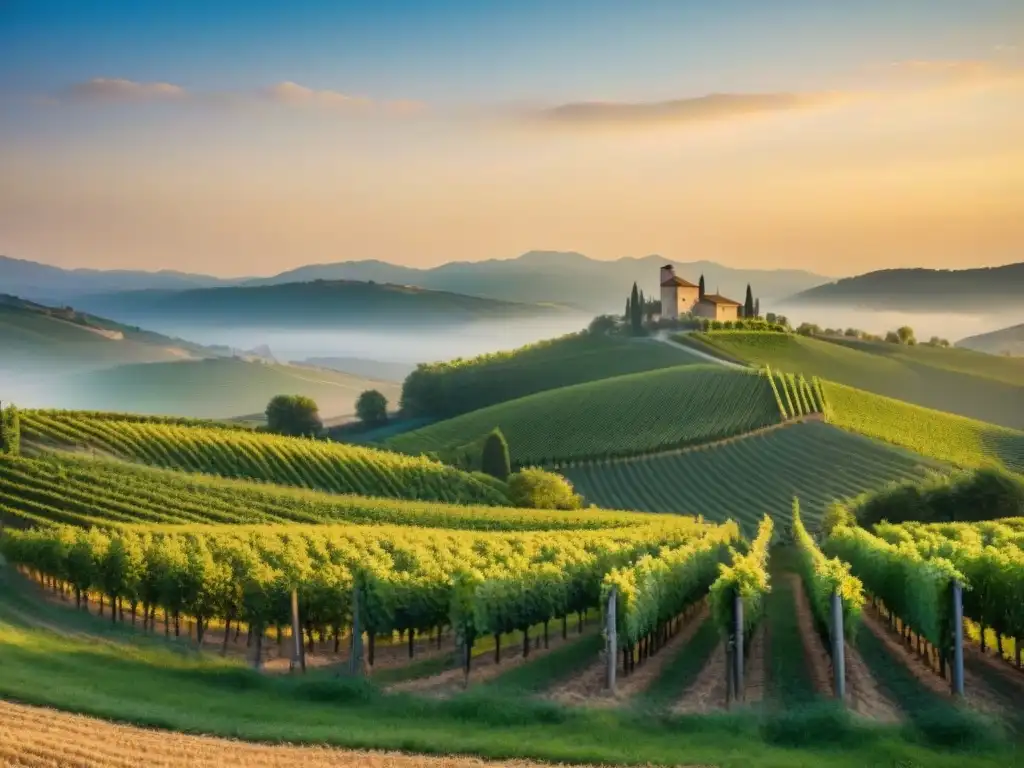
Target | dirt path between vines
(819,664)
(976,692)
(35,736)
(588,687)
(485,668)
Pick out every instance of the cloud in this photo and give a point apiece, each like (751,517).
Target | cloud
(712,107)
(107,90)
(293,94)
(958,71)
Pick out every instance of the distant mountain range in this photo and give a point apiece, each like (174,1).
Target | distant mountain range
(323,304)
(537,277)
(1008,341)
(559,277)
(988,290)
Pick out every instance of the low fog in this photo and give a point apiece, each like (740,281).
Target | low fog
(408,345)
(951,327)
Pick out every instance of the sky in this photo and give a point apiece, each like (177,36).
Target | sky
(247,138)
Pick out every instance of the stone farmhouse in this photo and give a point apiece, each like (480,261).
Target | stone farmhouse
(680,297)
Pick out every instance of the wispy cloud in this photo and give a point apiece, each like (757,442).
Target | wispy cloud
(958,71)
(102,90)
(107,90)
(712,107)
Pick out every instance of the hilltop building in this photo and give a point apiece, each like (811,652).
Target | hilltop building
(680,297)
(716,307)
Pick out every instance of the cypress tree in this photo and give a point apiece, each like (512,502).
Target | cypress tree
(748,305)
(494,460)
(627,315)
(635,317)
(700,288)
(757,307)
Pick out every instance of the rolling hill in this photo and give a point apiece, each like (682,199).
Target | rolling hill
(450,388)
(319,304)
(985,290)
(747,478)
(1008,341)
(213,389)
(249,455)
(967,383)
(624,415)
(43,337)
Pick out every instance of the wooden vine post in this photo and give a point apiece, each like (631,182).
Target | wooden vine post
(355,662)
(737,656)
(838,646)
(298,658)
(611,641)
(957,678)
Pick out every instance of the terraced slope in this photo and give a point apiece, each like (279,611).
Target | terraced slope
(626,415)
(441,390)
(82,491)
(748,477)
(955,381)
(943,436)
(256,456)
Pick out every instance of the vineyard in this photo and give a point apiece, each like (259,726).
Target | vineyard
(459,386)
(942,436)
(84,492)
(932,378)
(743,478)
(380,579)
(262,457)
(621,416)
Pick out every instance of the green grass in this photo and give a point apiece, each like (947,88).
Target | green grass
(237,453)
(943,436)
(958,381)
(681,671)
(81,491)
(145,684)
(626,415)
(789,683)
(752,476)
(442,390)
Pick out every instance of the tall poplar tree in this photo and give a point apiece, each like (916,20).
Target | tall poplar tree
(748,305)
(635,314)
(700,288)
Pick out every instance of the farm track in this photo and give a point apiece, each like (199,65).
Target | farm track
(818,662)
(664,338)
(484,668)
(754,676)
(707,694)
(44,738)
(588,687)
(977,693)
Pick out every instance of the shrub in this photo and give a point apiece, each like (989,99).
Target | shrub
(537,489)
(10,431)
(372,408)
(294,415)
(494,459)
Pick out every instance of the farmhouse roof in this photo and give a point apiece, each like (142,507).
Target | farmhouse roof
(678,281)
(714,298)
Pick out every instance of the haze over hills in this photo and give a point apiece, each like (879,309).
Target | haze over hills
(560,277)
(54,285)
(319,304)
(1008,341)
(535,277)
(988,290)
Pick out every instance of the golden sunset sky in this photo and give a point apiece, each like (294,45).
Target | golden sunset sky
(247,141)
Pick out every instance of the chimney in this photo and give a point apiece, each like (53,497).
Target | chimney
(667,273)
